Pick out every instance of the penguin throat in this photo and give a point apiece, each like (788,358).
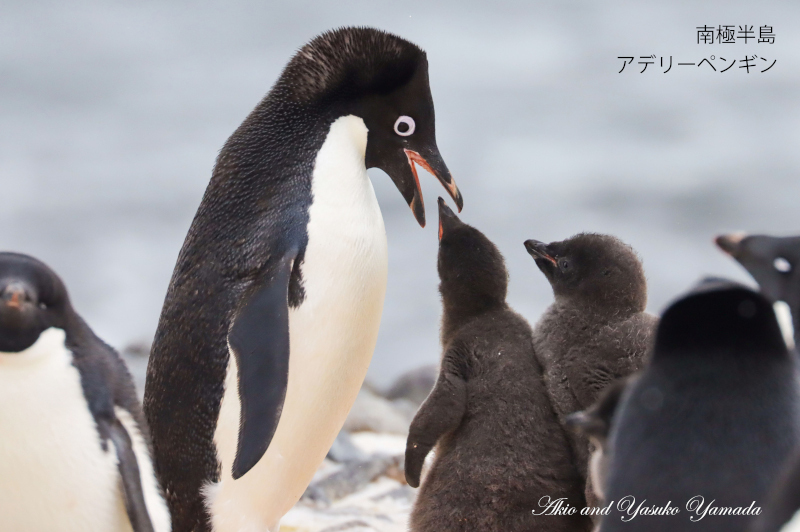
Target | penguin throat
(604,304)
(49,341)
(457,314)
(346,141)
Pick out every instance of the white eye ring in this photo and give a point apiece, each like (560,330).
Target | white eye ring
(407,120)
(782,265)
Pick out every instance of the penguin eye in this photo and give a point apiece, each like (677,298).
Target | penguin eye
(782,265)
(564,264)
(404,126)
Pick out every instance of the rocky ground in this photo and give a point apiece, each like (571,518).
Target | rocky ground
(361,484)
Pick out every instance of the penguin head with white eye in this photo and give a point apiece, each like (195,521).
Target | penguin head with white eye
(592,269)
(32,299)
(772,261)
(383,80)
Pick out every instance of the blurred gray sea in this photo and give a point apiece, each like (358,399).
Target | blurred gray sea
(111,115)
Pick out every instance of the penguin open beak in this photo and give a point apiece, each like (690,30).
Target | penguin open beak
(538,250)
(730,243)
(400,163)
(434,164)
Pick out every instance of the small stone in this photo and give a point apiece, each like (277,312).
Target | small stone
(344,450)
(414,385)
(373,413)
(350,478)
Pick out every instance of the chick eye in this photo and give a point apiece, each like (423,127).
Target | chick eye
(404,126)
(564,264)
(782,265)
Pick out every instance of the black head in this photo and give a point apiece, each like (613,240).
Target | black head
(32,299)
(592,269)
(472,271)
(719,316)
(772,261)
(382,79)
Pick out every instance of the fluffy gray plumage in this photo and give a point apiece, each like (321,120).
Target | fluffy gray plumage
(596,331)
(499,446)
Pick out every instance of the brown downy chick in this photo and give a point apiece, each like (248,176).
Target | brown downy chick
(596,331)
(500,449)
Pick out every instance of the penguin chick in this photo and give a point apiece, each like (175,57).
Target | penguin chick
(500,449)
(596,331)
(74,451)
(595,424)
(710,421)
(773,263)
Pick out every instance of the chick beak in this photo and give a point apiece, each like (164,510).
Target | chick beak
(438,169)
(538,250)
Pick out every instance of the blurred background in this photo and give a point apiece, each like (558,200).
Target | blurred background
(111,116)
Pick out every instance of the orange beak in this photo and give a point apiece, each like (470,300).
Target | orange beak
(446,180)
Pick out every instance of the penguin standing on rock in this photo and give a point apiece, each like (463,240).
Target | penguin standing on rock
(711,420)
(774,262)
(273,310)
(501,452)
(597,330)
(74,450)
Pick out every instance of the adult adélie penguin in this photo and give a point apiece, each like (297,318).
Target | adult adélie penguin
(74,446)
(273,309)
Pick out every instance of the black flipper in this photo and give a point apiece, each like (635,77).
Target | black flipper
(259,339)
(131,479)
(441,413)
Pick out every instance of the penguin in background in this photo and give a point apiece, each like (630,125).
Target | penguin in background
(500,449)
(273,309)
(595,424)
(714,415)
(596,331)
(74,450)
(773,263)
(781,513)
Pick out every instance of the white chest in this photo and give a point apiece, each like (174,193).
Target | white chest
(345,264)
(332,338)
(53,473)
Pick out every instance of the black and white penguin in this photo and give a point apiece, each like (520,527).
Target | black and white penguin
(273,310)
(773,262)
(595,424)
(74,449)
(500,449)
(596,331)
(710,421)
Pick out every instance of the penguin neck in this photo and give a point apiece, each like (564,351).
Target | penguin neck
(598,309)
(340,175)
(458,313)
(49,341)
